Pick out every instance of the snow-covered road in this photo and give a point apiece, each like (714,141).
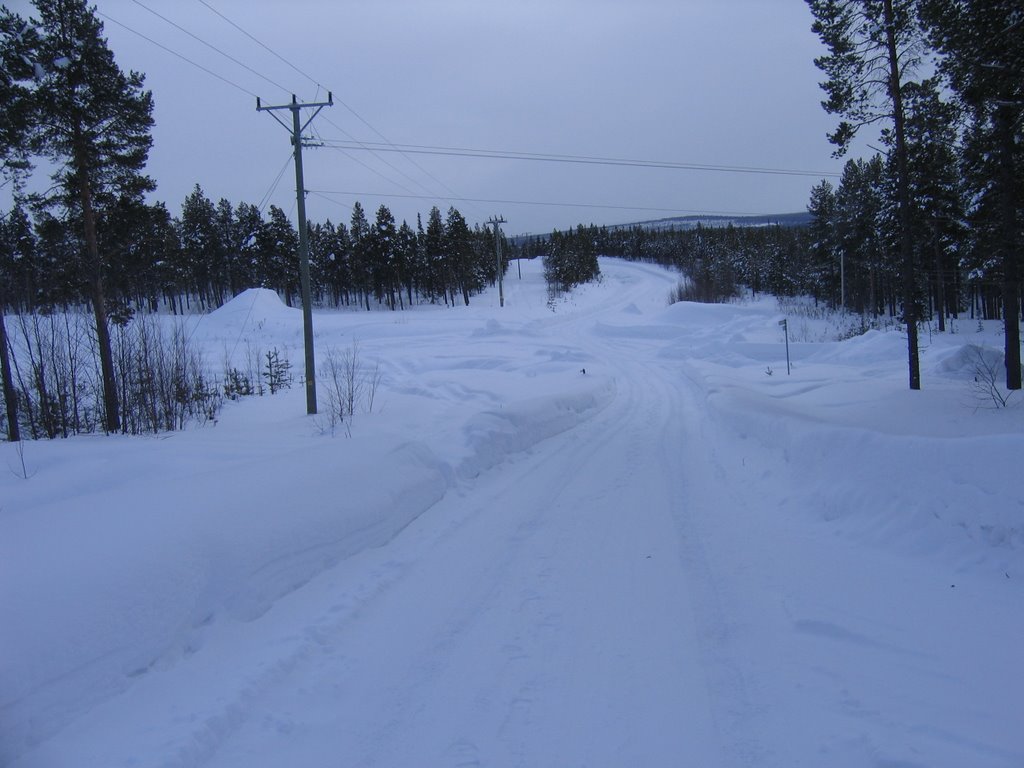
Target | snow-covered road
(675,575)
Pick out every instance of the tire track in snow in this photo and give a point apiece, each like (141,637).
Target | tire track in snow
(549,624)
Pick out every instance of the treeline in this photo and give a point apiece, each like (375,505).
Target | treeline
(719,262)
(570,259)
(211,252)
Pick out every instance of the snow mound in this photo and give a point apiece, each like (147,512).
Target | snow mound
(252,306)
(969,358)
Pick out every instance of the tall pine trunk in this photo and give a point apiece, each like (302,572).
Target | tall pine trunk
(903,195)
(1008,245)
(110,399)
(10,394)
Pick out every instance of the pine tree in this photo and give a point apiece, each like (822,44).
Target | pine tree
(861,236)
(16,245)
(246,226)
(983,46)
(824,245)
(94,125)
(339,260)
(873,47)
(359,234)
(459,252)
(405,259)
(936,189)
(18,52)
(200,242)
(139,238)
(278,254)
(17,44)
(382,256)
(435,257)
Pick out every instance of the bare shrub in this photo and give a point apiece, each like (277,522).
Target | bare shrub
(56,373)
(348,385)
(987,367)
(704,289)
(160,376)
(164,382)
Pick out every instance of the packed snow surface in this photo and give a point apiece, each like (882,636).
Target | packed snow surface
(595,531)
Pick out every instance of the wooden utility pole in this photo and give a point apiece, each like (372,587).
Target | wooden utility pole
(296,129)
(495,221)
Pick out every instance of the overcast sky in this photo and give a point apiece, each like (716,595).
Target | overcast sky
(716,82)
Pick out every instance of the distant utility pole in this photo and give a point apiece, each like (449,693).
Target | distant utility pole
(296,129)
(495,221)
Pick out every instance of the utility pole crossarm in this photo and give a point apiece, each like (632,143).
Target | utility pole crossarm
(495,221)
(296,129)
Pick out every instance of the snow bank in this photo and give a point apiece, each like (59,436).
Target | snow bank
(494,435)
(131,576)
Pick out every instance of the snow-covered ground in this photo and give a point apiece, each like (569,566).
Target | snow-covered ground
(679,557)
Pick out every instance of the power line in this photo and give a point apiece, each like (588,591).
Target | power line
(179,55)
(263,45)
(342,103)
(367,166)
(406,150)
(325,193)
(329,145)
(210,46)
(575,159)
(273,186)
(389,143)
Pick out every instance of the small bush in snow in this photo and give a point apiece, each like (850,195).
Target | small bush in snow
(988,368)
(277,371)
(348,385)
(237,385)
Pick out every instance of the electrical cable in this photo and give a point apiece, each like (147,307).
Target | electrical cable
(273,186)
(263,45)
(179,55)
(389,143)
(383,160)
(368,167)
(339,101)
(324,193)
(575,159)
(211,46)
(406,150)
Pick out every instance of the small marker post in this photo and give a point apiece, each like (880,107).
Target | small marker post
(785,328)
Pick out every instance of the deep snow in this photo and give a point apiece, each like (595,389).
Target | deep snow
(681,556)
